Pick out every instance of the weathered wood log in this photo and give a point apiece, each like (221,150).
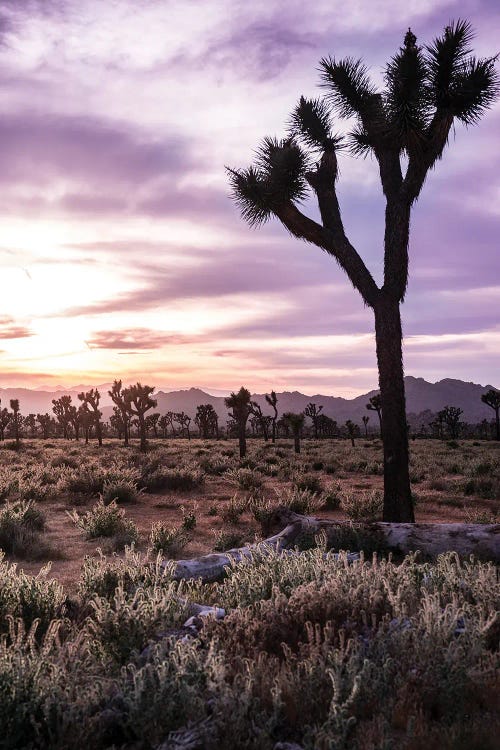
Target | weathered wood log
(431,539)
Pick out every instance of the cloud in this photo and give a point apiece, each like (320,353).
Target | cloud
(134,339)
(10,330)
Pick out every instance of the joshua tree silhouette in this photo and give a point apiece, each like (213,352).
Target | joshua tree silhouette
(366,419)
(116,394)
(239,403)
(272,400)
(426,90)
(90,403)
(492,398)
(313,412)
(296,423)
(138,401)
(375,404)
(14,405)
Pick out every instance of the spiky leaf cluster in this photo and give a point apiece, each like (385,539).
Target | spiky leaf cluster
(277,177)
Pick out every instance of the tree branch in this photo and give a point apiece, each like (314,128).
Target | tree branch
(420,164)
(332,239)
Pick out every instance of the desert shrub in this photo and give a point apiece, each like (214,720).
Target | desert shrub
(331,497)
(489,489)
(307,482)
(225,540)
(331,468)
(29,598)
(183,479)
(318,465)
(167,540)
(66,461)
(124,491)
(361,506)
(299,500)
(104,520)
(101,575)
(125,623)
(188,518)
(244,479)
(232,512)
(21,524)
(474,515)
(438,484)
(215,465)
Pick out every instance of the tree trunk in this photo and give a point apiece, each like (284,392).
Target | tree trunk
(497,421)
(296,442)
(142,432)
(398,504)
(242,441)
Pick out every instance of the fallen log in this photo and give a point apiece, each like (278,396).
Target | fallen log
(431,539)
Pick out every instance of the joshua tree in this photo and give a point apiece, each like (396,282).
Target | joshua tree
(296,423)
(30,424)
(117,422)
(90,401)
(5,418)
(45,422)
(163,423)
(375,404)
(352,431)
(327,427)
(492,398)
(261,418)
(312,411)
(61,408)
(272,400)
(138,400)
(14,405)
(183,420)
(366,419)
(207,420)
(239,403)
(450,415)
(426,90)
(74,418)
(116,394)
(152,423)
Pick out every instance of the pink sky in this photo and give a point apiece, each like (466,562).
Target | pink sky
(121,253)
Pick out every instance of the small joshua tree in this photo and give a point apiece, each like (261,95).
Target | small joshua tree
(450,415)
(138,400)
(62,409)
(375,404)
(90,402)
(116,394)
(239,403)
(272,400)
(405,126)
(352,431)
(312,411)
(261,418)
(296,423)
(45,422)
(366,419)
(492,399)
(14,405)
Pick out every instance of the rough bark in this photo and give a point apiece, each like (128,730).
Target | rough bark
(398,505)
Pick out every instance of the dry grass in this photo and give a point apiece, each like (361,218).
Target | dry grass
(206,478)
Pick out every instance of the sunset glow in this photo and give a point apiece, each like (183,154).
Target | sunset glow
(122,254)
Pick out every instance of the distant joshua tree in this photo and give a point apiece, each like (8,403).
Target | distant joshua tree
(296,423)
(312,411)
(90,402)
(426,90)
(272,400)
(207,421)
(45,422)
(450,415)
(375,404)
(138,400)
(239,403)
(116,394)
(14,405)
(366,419)
(184,420)
(492,398)
(327,427)
(61,408)
(352,431)
(5,418)
(261,418)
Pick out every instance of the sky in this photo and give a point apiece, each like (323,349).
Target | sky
(121,252)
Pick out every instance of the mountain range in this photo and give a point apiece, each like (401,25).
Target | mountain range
(421,396)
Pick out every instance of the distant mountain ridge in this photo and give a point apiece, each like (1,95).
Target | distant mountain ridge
(420,396)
